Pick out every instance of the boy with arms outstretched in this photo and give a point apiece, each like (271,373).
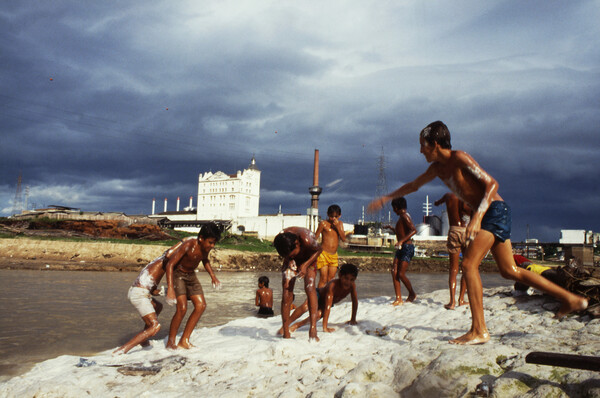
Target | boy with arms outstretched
(331,231)
(183,285)
(332,293)
(459,215)
(298,245)
(405,250)
(489,227)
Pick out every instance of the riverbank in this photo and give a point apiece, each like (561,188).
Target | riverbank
(39,254)
(393,351)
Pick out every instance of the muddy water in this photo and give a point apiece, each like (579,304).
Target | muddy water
(44,314)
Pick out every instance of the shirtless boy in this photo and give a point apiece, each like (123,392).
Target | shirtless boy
(264,297)
(332,293)
(183,285)
(405,250)
(331,231)
(459,215)
(298,245)
(489,227)
(140,295)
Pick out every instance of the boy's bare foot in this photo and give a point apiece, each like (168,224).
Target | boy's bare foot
(578,303)
(328,330)
(293,328)
(397,302)
(170,346)
(145,343)
(118,351)
(411,297)
(462,302)
(313,339)
(280,332)
(449,306)
(185,344)
(471,338)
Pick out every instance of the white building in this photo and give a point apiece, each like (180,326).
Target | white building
(229,196)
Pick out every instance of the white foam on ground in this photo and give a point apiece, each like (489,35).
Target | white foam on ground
(393,351)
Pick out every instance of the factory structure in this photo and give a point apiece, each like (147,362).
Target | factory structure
(232,200)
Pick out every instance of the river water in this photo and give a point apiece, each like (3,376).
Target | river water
(45,314)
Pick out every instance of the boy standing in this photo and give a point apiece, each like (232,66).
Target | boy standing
(405,250)
(459,215)
(264,297)
(331,231)
(183,285)
(489,227)
(332,293)
(298,245)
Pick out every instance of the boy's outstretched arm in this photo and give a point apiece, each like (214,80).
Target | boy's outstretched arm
(354,297)
(404,190)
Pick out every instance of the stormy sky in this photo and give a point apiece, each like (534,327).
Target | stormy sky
(107,105)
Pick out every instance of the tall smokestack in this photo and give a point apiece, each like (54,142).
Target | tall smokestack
(153,205)
(315,190)
(165,205)
(177,204)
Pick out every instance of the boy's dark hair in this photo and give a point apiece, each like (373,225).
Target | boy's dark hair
(285,242)
(437,132)
(399,203)
(349,269)
(210,230)
(331,210)
(264,280)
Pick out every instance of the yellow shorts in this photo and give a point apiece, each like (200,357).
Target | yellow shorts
(327,260)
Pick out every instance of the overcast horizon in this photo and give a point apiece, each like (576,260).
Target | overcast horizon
(107,105)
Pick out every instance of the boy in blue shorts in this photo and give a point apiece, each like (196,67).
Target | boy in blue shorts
(405,250)
(488,229)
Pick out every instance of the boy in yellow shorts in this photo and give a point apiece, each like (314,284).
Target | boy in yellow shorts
(331,231)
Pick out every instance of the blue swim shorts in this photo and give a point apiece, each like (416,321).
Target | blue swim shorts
(406,253)
(497,220)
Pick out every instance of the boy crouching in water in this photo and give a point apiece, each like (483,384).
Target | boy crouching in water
(332,293)
(183,284)
(264,297)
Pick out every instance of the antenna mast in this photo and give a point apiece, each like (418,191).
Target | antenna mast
(18,203)
(381,185)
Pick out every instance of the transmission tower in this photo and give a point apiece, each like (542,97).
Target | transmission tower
(18,203)
(382,188)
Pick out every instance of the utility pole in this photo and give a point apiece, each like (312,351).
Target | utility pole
(18,202)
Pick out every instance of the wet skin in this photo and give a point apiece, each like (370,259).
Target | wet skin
(477,189)
(331,232)
(404,230)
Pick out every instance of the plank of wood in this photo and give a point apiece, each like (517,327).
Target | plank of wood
(564,360)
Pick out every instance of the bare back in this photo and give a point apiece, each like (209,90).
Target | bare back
(308,243)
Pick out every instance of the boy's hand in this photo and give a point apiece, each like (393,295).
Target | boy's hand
(171,299)
(216,284)
(472,230)
(375,205)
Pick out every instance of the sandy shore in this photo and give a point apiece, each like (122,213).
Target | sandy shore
(26,253)
(393,351)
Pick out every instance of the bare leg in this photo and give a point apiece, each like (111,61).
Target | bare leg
(478,248)
(286,302)
(311,294)
(402,275)
(463,288)
(303,322)
(295,315)
(454,259)
(331,271)
(199,307)
(502,252)
(396,282)
(323,276)
(151,328)
(176,321)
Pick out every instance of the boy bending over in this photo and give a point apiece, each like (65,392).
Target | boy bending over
(298,245)
(489,227)
(332,293)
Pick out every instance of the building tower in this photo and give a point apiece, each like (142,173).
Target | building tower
(382,188)
(18,203)
(315,191)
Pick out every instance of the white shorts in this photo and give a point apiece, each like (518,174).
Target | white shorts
(141,300)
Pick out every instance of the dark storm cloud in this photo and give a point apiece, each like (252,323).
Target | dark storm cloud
(105,106)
